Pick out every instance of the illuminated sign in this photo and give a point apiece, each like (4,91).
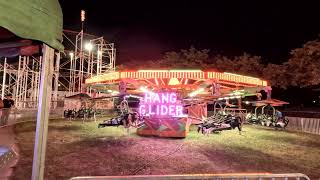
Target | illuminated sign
(176,75)
(161,104)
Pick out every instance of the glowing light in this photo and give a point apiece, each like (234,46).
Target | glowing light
(145,90)
(173,81)
(110,91)
(194,93)
(161,104)
(156,80)
(83,15)
(238,97)
(182,70)
(170,74)
(88,46)
(247,102)
(115,92)
(133,96)
(186,82)
(71,55)
(220,98)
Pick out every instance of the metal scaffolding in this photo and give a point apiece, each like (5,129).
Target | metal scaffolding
(21,77)
(86,56)
(21,80)
(89,58)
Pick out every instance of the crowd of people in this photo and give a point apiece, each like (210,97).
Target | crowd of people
(5,105)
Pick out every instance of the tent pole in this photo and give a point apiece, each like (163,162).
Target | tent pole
(43,114)
(4,78)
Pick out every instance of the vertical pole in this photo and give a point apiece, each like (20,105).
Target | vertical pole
(56,81)
(39,77)
(26,82)
(4,77)
(43,114)
(239,100)
(18,83)
(32,84)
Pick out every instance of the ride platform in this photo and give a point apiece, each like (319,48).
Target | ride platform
(177,127)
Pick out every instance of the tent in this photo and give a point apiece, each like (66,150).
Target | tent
(30,27)
(28,23)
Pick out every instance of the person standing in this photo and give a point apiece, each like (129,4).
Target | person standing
(8,103)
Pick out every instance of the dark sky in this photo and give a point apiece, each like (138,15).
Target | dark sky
(144,30)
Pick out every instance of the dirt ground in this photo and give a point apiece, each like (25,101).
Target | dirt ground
(77,149)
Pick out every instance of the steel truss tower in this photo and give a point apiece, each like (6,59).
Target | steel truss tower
(91,56)
(21,80)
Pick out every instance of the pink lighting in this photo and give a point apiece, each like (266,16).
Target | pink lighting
(161,104)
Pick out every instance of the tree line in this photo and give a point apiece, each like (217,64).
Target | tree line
(302,69)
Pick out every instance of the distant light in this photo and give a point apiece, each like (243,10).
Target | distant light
(88,46)
(145,90)
(173,81)
(59,85)
(156,80)
(115,92)
(314,101)
(83,15)
(247,102)
(71,55)
(196,92)
(186,82)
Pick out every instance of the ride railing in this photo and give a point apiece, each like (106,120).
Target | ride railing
(14,115)
(244,176)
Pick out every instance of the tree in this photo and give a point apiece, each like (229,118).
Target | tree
(245,64)
(276,75)
(191,58)
(303,66)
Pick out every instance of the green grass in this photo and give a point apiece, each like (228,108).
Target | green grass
(76,148)
(265,148)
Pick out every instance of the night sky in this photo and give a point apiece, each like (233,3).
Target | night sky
(144,30)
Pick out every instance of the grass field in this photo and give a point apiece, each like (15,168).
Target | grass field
(81,149)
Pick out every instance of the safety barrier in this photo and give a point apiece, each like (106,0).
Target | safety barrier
(244,176)
(21,115)
(308,125)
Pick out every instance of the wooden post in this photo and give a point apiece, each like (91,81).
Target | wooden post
(43,114)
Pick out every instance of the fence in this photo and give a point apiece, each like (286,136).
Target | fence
(16,116)
(308,125)
(259,176)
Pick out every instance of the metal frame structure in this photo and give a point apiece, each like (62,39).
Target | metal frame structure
(22,78)
(84,63)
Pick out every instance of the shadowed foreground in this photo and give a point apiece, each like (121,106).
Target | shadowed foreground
(77,149)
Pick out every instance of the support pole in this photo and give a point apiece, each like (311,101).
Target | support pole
(4,78)
(43,114)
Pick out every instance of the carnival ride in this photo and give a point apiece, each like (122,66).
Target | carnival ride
(266,114)
(171,100)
